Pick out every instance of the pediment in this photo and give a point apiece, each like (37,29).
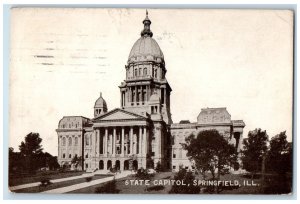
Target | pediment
(118,114)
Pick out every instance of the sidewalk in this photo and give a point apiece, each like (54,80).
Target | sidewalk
(28,185)
(86,184)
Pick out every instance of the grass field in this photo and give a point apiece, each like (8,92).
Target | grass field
(23,179)
(41,188)
(274,184)
(247,185)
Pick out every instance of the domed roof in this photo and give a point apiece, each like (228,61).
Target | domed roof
(100,102)
(146,49)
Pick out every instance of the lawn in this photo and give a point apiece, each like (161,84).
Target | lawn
(132,189)
(41,188)
(164,189)
(15,180)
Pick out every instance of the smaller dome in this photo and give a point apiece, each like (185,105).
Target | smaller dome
(100,102)
(154,98)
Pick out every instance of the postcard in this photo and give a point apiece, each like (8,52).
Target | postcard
(151,101)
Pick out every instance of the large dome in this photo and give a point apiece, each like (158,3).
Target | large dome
(146,49)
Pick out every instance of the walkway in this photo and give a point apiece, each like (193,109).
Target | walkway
(86,184)
(28,185)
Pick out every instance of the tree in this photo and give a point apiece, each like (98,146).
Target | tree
(16,161)
(76,161)
(32,144)
(31,150)
(279,157)
(210,152)
(255,148)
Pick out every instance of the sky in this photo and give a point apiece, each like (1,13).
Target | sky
(61,59)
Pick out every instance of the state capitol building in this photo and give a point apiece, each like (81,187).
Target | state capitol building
(140,133)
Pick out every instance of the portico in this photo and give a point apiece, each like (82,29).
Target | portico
(120,142)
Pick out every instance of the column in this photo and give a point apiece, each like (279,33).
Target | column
(131,137)
(114,141)
(98,141)
(142,99)
(122,144)
(140,142)
(105,143)
(165,95)
(94,143)
(136,94)
(144,143)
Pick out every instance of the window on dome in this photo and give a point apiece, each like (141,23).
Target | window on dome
(64,141)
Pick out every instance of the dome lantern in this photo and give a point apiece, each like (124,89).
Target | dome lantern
(146,31)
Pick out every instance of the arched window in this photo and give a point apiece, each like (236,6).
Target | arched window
(64,155)
(140,73)
(76,140)
(87,155)
(135,72)
(70,141)
(155,73)
(145,71)
(70,155)
(87,142)
(64,141)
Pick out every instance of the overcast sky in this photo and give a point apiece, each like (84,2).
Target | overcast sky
(61,59)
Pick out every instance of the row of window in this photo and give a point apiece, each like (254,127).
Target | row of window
(70,156)
(69,141)
(70,125)
(143,72)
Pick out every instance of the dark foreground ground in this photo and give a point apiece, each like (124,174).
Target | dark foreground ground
(248,185)
(273,184)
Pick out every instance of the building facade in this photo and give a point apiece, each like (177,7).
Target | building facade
(209,118)
(140,133)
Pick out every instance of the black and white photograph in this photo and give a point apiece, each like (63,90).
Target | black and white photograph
(151,101)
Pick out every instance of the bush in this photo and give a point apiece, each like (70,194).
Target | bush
(88,179)
(45,181)
(187,177)
(143,174)
(110,188)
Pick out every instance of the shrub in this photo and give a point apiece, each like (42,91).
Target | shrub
(88,179)
(187,177)
(109,187)
(143,174)
(45,181)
